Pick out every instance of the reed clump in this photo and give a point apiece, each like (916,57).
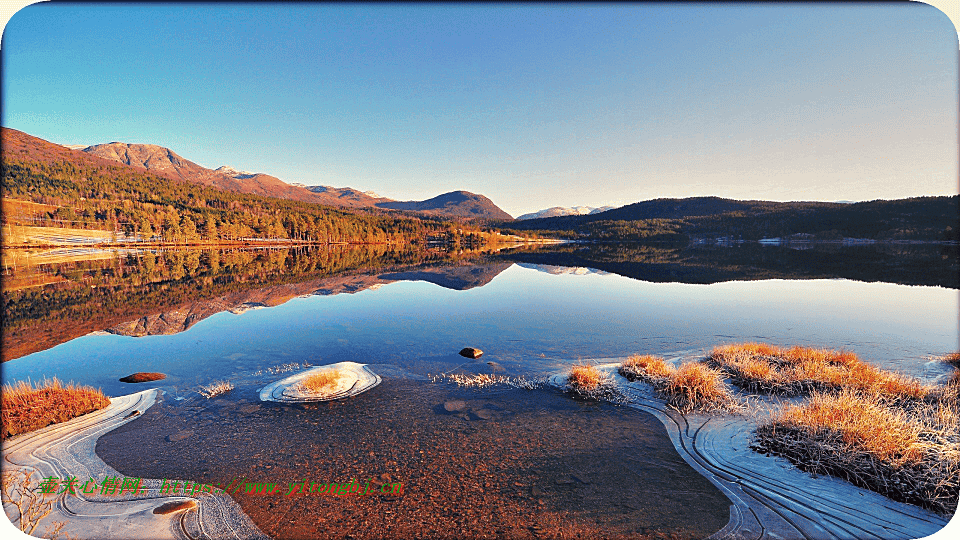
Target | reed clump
(322,381)
(907,452)
(762,368)
(646,368)
(26,407)
(216,388)
(689,387)
(695,386)
(584,378)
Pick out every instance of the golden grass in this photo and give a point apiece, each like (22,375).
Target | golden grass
(909,453)
(692,386)
(584,378)
(646,367)
(759,367)
(322,381)
(695,386)
(28,408)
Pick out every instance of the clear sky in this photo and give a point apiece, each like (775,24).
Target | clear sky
(531,105)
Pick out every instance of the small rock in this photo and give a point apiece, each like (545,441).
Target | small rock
(247,409)
(143,377)
(471,352)
(175,506)
(179,436)
(454,405)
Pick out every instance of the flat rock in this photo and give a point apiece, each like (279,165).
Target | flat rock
(471,352)
(142,376)
(454,405)
(247,409)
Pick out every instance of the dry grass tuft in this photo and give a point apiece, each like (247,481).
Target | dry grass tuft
(216,388)
(321,381)
(762,368)
(952,359)
(584,378)
(692,386)
(911,454)
(646,368)
(27,408)
(695,386)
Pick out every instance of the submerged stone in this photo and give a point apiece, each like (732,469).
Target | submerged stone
(471,352)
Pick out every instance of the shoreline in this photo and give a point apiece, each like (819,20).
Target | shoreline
(767,495)
(68,450)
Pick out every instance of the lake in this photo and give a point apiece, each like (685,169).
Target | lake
(248,317)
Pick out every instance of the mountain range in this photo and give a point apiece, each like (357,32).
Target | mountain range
(558,211)
(164,162)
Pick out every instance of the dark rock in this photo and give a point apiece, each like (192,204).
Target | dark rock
(471,352)
(176,506)
(143,377)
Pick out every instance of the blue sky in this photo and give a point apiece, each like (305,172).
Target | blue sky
(531,105)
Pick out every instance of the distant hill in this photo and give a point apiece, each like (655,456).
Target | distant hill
(918,218)
(455,203)
(557,211)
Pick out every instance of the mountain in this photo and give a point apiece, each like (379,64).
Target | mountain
(347,196)
(455,203)
(166,163)
(557,211)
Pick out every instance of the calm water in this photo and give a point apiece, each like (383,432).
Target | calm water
(530,319)
(511,462)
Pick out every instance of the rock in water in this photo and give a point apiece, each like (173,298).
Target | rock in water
(471,352)
(143,377)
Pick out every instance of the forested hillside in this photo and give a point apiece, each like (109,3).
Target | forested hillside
(920,218)
(92,193)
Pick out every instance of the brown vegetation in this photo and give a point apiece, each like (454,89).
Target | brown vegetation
(646,368)
(908,453)
(768,369)
(321,381)
(695,386)
(26,408)
(584,378)
(691,386)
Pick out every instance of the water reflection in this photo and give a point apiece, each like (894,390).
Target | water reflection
(203,316)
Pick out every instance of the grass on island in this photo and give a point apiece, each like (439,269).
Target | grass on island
(689,387)
(646,368)
(767,369)
(321,382)
(28,408)
(908,453)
